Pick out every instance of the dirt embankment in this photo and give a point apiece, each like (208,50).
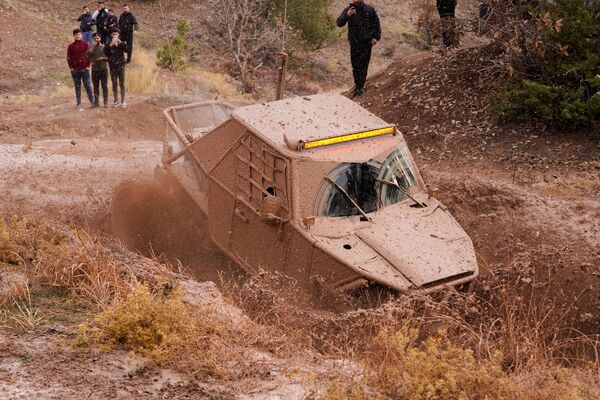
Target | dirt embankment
(439,102)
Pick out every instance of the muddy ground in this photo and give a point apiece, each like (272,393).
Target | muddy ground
(544,232)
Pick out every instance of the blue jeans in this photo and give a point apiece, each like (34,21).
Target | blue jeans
(88,37)
(78,76)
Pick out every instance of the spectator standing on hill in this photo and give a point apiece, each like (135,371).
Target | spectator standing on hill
(99,70)
(446,9)
(86,25)
(115,51)
(127,25)
(79,63)
(110,24)
(364,32)
(100,16)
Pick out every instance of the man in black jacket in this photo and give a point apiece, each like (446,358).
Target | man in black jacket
(115,52)
(127,25)
(86,25)
(100,16)
(364,31)
(110,24)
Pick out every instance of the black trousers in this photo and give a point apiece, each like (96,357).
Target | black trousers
(100,78)
(102,33)
(360,56)
(117,75)
(127,37)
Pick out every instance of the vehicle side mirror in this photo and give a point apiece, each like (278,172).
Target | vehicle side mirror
(273,210)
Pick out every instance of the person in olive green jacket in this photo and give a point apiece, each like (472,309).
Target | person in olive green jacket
(99,70)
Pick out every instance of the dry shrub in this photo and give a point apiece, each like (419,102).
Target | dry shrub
(431,346)
(143,322)
(402,367)
(161,326)
(434,369)
(55,257)
(338,390)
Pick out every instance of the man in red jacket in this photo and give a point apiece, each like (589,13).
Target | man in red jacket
(79,64)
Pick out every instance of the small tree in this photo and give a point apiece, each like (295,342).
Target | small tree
(176,54)
(552,50)
(310,19)
(246,30)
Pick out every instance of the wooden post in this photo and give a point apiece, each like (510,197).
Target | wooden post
(282,75)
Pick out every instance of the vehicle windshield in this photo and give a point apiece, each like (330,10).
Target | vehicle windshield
(357,188)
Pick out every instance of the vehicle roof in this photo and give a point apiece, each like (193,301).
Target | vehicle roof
(307,118)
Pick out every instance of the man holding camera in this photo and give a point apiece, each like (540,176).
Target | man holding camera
(99,70)
(364,32)
(115,51)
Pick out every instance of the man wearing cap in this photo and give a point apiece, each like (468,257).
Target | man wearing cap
(79,63)
(364,32)
(127,25)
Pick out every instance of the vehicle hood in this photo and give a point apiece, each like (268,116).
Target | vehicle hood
(427,246)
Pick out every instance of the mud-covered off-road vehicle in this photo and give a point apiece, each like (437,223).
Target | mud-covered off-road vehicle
(315,186)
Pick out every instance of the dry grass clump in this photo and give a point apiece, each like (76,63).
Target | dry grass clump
(56,257)
(497,343)
(161,326)
(143,321)
(56,270)
(398,365)
(143,76)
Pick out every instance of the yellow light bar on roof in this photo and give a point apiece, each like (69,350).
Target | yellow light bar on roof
(312,144)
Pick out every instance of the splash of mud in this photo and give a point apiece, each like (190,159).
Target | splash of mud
(158,220)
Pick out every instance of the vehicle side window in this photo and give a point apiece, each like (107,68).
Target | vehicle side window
(260,172)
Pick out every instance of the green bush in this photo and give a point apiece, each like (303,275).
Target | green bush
(561,86)
(310,19)
(176,54)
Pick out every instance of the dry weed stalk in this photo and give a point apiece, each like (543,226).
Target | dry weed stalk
(18,312)
(527,330)
(55,256)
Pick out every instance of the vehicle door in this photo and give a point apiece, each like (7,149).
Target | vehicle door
(260,228)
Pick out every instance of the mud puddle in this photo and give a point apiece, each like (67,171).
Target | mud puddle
(65,178)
